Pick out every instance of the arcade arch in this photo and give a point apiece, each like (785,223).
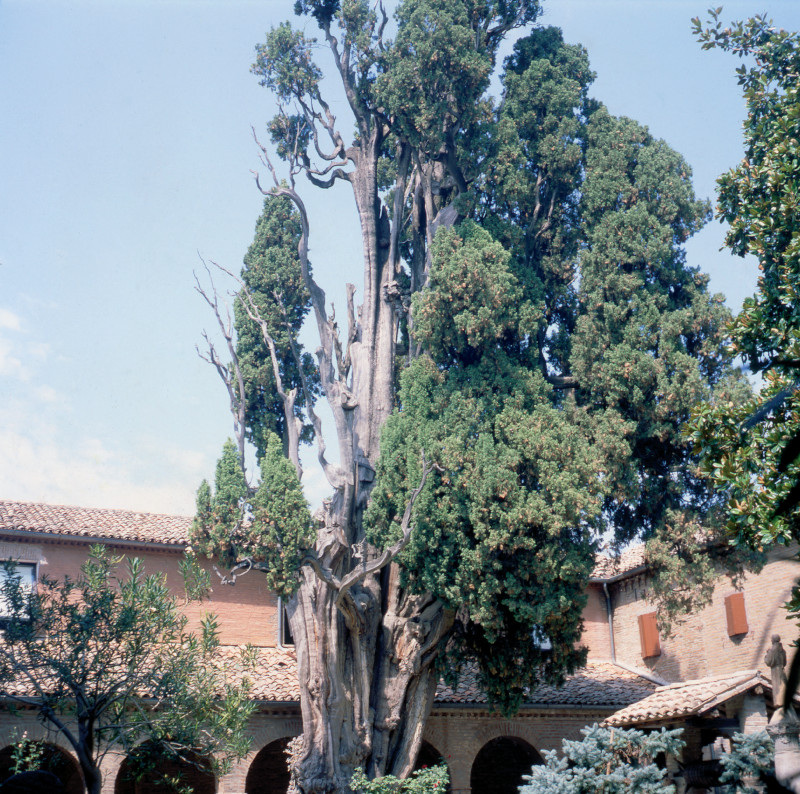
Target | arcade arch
(500,764)
(268,773)
(195,773)
(429,756)
(55,759)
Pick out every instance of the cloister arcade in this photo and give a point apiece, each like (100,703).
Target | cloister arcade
(496,769)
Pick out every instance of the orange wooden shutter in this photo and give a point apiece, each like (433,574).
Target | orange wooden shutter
(648,634)
(736,614)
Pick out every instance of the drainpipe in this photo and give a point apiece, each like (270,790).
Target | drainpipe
(609,609)
(610,612)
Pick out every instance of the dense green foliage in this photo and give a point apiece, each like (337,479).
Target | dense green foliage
(751,450)
(107,660)
(271,273)
(432,780)
(554,337)
(607,761)
(271,525)
(507,515)
(566,342)
(648,345)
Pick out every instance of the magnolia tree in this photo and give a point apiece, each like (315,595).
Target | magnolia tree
(511,380)
(752,451)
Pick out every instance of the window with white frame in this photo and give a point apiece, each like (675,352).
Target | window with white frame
(25,572)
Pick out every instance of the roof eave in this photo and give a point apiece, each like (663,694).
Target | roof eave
(33,534)
(532,706)
(616,577)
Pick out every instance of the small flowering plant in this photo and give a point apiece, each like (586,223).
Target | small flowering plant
(428,780)
(27,754)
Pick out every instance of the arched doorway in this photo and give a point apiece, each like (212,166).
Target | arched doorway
(195,772)
(499,766)
(54,760)
(429,756)
(269,772)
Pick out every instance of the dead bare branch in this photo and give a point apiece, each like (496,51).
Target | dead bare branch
(382,26)
(337,476)
(294,424)
(323,573)
(231,375)
(389,554)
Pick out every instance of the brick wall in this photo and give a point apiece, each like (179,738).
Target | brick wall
(247,611)
(700,645)
(459,734)
(595,625)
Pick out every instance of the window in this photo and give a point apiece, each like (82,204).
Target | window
(285,638)
(648,635)
(25,571)
(736,614)
(541,640)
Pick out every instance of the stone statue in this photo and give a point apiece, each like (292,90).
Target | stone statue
(776,661)
(783,728)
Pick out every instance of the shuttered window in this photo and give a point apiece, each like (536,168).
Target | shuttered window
(648,635)
(736,614)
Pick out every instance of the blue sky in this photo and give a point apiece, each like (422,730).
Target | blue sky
(126,152)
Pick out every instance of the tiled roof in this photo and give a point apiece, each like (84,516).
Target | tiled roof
(598,684)
(88,522)
(128,525)
(628,560)
(274,680)
(675,702)
(275,676)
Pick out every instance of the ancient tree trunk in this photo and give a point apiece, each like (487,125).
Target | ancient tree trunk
(365,648)
(365,677)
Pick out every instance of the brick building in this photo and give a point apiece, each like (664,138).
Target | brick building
(703,677)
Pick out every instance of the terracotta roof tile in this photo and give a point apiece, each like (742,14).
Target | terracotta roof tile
(89,522)
(169,529)
(159,528)
(597,684)
(628,560)
(275,676)
(674,702)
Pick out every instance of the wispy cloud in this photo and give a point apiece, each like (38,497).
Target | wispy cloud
(19,354)
(37,470)
(52,454)
(9,320)
(10,365)
(47,394)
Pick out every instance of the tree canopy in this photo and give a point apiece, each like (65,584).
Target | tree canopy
(272,274)
(511,389)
